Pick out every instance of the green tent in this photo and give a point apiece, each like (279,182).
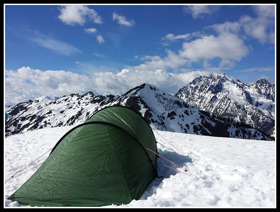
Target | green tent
(101,162)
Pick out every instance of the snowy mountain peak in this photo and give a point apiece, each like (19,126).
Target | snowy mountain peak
(219,76)
(263,82)
(220,95)
(141,88)
(263,88)
(43,98)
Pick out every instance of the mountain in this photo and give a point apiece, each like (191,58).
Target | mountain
(222,96)
(46,112)
(162,111)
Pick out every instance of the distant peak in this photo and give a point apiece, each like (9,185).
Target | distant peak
(89,93)
(262,82)
(152,87)
(41,98)
(146,85)
(222,75)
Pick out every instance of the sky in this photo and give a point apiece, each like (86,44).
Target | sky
(56,50)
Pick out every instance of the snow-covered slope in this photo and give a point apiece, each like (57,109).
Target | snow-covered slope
(166,112)
(162,111)
(220,95)
(47,112)
(223,172)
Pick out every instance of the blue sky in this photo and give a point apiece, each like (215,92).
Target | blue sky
(55,50)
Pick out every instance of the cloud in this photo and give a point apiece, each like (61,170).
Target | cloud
(197,11)
(100,39)
(170,37)
(59,47)
(90,30)
(173,37)
(122,20)
(261,27)
(152,63)
(78,14)
(266,11)
(231,27)
(26,83)
(215,53)
(226,46)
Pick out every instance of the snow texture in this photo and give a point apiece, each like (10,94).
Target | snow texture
(222,172)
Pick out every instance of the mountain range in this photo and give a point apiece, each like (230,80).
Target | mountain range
(161,110)
(220,95)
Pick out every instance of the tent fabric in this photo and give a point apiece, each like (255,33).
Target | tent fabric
(101,162)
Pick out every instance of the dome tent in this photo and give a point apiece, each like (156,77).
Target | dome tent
(101,162)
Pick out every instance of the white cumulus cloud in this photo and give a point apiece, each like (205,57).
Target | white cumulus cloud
(226,46)
(78,14)
(26,83)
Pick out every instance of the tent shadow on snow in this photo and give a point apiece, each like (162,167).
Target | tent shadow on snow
(165,172)
(179,159)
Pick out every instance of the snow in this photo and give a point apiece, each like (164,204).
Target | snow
(235,92)
(222,172)
(267,106)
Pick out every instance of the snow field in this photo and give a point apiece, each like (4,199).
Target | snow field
(22,149)
(223,172)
